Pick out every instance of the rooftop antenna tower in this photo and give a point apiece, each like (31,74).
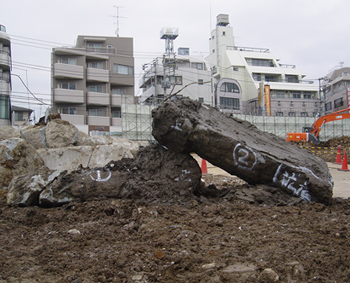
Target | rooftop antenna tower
(118,18)
(169,58)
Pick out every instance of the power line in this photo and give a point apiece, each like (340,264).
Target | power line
(29,89)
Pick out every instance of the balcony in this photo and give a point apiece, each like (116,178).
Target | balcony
(61,71)
(116,99)
(97,98)
(117,122)
(4,86)
(74,119)
(68,95)
(98,120)
(100,75)
(5,59)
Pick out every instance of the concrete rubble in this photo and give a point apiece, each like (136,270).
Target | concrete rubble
(241,149)
(54,164)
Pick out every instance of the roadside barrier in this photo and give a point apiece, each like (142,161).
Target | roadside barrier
(320,149)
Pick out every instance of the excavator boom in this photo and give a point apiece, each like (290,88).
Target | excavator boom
(312,134)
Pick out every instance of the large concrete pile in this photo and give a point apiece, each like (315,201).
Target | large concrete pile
(34,156)
(55,164)
(241,149)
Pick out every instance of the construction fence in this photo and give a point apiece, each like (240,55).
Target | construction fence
(137,124)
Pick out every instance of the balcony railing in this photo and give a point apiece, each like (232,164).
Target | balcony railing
(99,120)
(98,98)
(74,119)
(249,49)
(5,59)
(68,71)
(109,50)
(94,74)
(287,81)
(4,86)
(68,95)
(287,66)
(116,99)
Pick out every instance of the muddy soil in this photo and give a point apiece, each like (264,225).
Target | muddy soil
(241,234)
(211,240)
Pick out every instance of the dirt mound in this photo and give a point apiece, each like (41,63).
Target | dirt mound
(343,141)
(213,241)
(327,150)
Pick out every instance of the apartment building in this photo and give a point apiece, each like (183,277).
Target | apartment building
(336,89)
(254,81)
(5,77)
(239,80)
(191,78)
(90,81)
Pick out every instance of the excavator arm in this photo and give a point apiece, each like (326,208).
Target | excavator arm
(338,115)
(311,134)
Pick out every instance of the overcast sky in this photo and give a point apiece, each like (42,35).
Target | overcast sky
(312,34)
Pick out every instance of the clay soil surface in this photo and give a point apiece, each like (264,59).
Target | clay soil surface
(203,239)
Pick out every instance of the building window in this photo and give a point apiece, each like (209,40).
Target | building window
(110,49)
(316,104)
(95,88)
(201,99)
(93,47)
(68,110)
(308,95)
(280,94)
(296,94)
(278,103)
(200,81)
(338,102)
(229,103)
(279,113)
(68,85)
(18,116)
(175,80)
(229,87)
(96,112)
(304,114)
(198,66)
(96,65)
(271,78)
(291,114)
(4,106)
(328,106)
(116,112)
(292,79)
(67,60)
(260,62)
(119,91)
(257,77)
(122,69)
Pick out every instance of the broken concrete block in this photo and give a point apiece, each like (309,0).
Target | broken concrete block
(241,149)
(146,177)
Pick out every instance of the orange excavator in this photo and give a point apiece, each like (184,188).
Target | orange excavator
(310,134)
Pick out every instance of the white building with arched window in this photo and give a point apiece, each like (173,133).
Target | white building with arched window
(246,70)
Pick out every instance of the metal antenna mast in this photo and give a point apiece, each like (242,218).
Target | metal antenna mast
(118,18)
(169,60)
